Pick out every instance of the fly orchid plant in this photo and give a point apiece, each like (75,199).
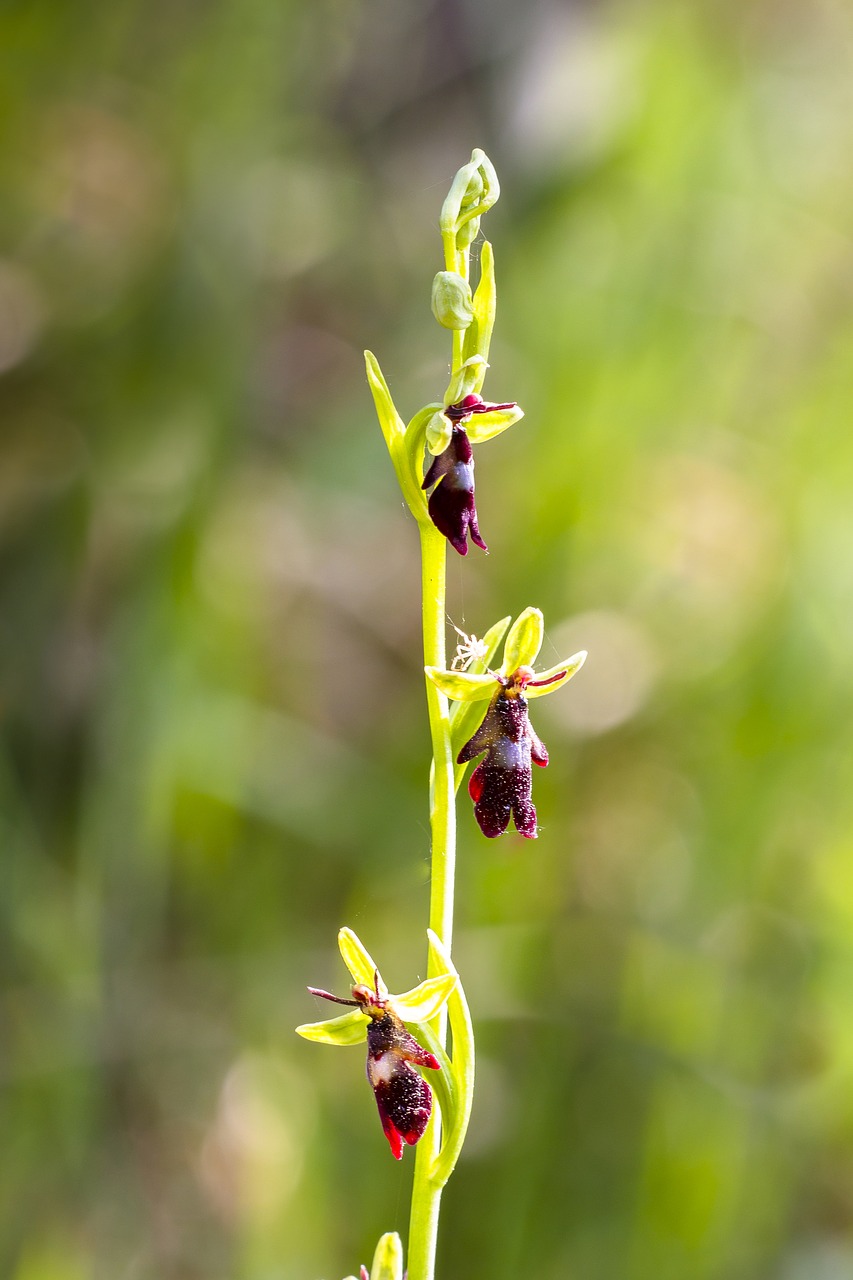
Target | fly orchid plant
(434,452)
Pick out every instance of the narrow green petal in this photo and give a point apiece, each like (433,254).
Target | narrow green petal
(424,1001)
(465,379)
(478,335)
(349,1028)
(568,668)
(461,685)
(524,641)
(358,959)
(388,1258)
(485,426)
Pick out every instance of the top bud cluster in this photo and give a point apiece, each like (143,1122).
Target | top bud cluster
(447,430)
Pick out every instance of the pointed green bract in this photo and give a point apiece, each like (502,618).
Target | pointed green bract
(524,641)
(460,685)
(388,1258)
(462,1064)
(358,960)
(478,335)
(349,1028)
(485,426)
(564,669)
(424,1001)
(406,467)
(389,419)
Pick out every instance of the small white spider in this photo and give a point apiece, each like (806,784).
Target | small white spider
(469,650)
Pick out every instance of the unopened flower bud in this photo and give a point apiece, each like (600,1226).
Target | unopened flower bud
(388,1258)
(467,233)
(473,191)
(452,304)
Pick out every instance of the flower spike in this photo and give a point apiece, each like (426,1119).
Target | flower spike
(403,1097)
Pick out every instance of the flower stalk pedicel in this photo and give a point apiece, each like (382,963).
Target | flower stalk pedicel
(434,452)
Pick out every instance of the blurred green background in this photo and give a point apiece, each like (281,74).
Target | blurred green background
(214,737)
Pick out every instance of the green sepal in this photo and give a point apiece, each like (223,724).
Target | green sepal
(417,436)
(388,1258)
(461,685)
(452,304)
(524,641)
(349,1028)
(465,379)
(484,426)
(395,438)
(478,335)
(568,668)
(358,960)
(424,1001)
(439,429)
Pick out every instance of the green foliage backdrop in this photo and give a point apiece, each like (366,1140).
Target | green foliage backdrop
(214,739)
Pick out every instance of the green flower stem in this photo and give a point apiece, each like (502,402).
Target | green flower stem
(457,260)
(443,809)
(426,1192)
(430,1177)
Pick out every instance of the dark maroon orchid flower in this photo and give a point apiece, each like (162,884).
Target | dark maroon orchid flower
(501,785)
(403,1098)
(452,507)
(451,504)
